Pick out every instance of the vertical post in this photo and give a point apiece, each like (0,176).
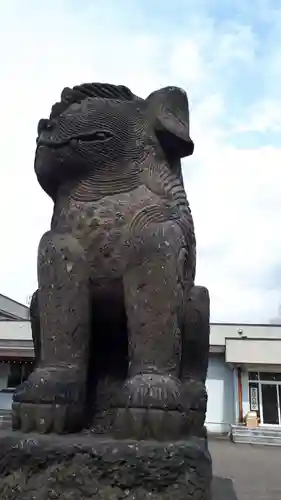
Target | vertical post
(260,402)
(240,395)
(278,404)
(235,395)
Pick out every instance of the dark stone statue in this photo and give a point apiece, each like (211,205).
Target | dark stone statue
(121,333)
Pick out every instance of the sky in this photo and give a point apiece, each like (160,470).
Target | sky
(226,55)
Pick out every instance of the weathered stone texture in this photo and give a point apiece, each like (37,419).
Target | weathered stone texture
(121,333)
(90,468)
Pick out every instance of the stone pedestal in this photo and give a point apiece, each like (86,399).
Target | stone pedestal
(87,466)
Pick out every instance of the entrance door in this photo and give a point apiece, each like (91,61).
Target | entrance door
(270,405)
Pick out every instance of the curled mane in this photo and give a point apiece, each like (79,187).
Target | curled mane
(79,92)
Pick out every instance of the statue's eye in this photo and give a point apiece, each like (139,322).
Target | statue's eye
(76,106)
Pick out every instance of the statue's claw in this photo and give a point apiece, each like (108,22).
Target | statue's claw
(49,401)
(150,408)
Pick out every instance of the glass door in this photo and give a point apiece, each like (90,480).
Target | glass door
(270,404)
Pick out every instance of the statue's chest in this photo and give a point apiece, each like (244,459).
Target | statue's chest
(102,227)
(100,219)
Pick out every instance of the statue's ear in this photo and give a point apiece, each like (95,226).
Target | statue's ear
(168,108)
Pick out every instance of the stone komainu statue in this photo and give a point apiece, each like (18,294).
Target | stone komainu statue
(121,333)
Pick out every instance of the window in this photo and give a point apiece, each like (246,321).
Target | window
(17,373)
(266,376)
(14,375)
(275,377)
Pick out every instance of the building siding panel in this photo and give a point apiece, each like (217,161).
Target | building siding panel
(5,398)
(220,388)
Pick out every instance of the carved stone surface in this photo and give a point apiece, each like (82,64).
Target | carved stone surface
(121,334)
(84,467)
(120,331)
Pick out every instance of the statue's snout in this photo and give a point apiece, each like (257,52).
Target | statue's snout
(45,125)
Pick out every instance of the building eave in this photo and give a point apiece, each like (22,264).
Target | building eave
(13,309)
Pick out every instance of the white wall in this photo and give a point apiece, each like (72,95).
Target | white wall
(220,388)
(221,331)
(5,398)
(253,351)
(6,401)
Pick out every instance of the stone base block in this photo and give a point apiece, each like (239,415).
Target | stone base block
(85,466)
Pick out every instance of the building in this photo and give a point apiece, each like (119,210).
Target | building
(14,361)
(244,374)
(244,367)
(12,310)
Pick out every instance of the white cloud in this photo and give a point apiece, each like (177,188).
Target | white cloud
(265,116)
(234,193)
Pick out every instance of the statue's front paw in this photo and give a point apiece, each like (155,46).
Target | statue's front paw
(150,390)
(51,400)
(150,408)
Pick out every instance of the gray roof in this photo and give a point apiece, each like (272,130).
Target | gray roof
(11,309)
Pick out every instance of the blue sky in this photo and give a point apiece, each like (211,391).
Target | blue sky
(227,57)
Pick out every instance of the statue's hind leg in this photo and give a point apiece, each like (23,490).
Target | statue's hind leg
(195,355)
(151,403)
(52,399)
(35,326)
